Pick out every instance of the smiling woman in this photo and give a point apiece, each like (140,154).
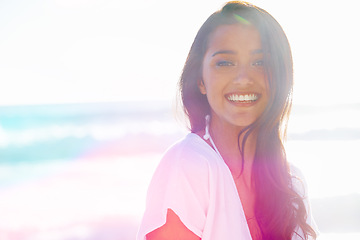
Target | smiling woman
(81,51)
(229,178)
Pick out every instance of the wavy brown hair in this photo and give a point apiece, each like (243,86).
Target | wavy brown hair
(279,209)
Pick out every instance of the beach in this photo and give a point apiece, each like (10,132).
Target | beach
(81,172)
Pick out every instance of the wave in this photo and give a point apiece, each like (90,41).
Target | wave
(68,130)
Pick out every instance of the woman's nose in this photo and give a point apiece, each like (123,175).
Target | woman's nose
(242,77)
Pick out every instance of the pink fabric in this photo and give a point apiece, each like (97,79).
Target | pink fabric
(197,185)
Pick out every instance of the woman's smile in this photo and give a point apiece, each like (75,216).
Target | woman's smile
(242,98)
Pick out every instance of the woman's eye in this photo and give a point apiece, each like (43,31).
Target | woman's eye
(258,63)
(224,64)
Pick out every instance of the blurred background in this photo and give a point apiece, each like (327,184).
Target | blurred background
(87,107)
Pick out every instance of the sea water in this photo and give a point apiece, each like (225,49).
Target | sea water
(80,171)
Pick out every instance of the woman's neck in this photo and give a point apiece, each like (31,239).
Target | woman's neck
(227,141)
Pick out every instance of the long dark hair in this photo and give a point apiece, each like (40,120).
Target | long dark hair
(279,209)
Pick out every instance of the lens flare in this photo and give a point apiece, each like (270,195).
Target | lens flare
(241,19)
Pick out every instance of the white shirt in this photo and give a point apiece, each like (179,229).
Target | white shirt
(194,182)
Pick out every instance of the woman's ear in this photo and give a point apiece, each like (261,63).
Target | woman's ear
(201,86)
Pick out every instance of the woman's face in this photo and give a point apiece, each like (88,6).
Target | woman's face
(234,78)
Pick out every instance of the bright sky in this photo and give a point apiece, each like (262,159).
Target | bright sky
(58,51)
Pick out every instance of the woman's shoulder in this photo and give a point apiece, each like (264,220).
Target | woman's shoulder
(182,169)
(190,156)
(189,150)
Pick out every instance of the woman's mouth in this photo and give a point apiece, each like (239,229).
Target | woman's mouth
(243,98)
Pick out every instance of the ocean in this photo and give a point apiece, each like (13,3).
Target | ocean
(80,171)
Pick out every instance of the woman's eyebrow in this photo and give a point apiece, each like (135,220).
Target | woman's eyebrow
(257,51)
(223,52)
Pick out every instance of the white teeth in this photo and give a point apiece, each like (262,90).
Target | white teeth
(242,98)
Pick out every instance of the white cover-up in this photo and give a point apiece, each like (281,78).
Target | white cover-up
(194,182)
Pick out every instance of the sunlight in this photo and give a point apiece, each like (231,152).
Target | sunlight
(86,108)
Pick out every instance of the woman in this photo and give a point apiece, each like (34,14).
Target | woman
(229,178)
